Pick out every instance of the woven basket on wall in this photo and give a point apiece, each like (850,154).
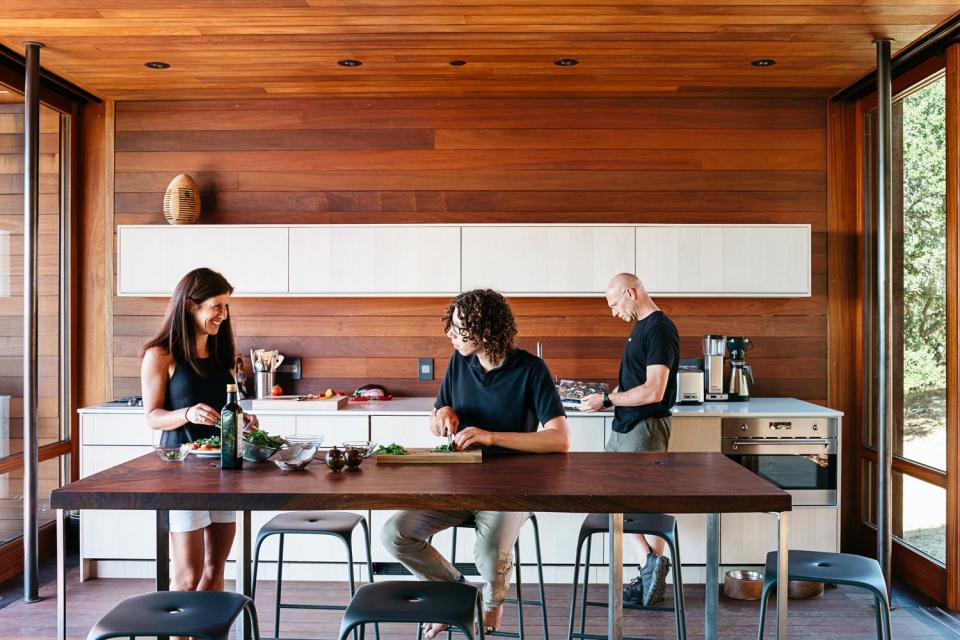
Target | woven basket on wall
(181,200)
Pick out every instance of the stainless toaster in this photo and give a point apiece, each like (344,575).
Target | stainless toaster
(689,385)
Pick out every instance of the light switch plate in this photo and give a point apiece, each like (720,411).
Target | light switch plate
(425,369)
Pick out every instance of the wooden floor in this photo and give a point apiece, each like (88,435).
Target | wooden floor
(841,613)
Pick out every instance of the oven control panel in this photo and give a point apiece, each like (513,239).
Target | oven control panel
(778,428)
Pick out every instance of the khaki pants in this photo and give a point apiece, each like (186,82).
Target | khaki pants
(405,536)
(650,434)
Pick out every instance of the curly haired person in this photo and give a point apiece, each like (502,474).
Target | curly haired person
(493,396)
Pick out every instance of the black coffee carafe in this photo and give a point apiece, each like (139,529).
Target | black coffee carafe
(738,389)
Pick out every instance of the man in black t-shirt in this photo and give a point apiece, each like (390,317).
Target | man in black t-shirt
(493,396)
(647,388)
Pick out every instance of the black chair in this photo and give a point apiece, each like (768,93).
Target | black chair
(654,524)
(833,568)
(200,614)
(454,603)
(519,601)
(339,524)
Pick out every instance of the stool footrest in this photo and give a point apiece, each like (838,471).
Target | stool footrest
(638,607)
(597,636)
(320,607)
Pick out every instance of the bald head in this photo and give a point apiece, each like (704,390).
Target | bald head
(627,298)
(623,281)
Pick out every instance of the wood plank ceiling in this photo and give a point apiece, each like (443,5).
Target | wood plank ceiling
(260,48)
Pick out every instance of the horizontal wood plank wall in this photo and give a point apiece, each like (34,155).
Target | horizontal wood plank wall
(471,160)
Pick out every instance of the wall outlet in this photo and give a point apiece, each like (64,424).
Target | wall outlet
(425,369)
(290,367)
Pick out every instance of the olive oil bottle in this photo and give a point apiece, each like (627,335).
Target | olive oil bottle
(231,424)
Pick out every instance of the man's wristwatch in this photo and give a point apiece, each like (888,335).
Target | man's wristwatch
(607,402)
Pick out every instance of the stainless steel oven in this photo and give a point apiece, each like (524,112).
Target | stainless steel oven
(799,455)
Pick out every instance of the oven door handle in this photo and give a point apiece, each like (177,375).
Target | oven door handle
(764,442)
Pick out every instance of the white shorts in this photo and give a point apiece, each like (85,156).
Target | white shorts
(183,521)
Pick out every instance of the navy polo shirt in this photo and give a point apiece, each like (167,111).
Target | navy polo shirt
(516,396)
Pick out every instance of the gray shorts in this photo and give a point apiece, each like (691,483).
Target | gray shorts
(650,434)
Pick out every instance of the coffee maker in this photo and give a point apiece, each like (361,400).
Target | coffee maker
(738,390)
(714,350)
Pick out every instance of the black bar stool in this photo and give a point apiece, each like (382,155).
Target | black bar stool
(339,524)
(454,603)
(653,524)
(519,601)
(200,614)
(834,568)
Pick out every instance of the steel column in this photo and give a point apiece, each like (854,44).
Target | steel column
(31,210)
(884,277)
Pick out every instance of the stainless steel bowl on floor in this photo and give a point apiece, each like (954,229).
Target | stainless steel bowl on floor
(742,585)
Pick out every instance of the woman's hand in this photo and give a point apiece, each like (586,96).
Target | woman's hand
(201,413)
(472,436)
(250,422)
(444,421)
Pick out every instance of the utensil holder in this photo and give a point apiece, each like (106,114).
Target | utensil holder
(264,383)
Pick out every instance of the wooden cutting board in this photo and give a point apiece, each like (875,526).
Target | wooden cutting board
(429,456)
(290,403)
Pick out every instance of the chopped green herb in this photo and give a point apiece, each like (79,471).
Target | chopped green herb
(392,449)
(444,448)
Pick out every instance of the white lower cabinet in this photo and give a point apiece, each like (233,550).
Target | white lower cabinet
(110,534)
(745,538)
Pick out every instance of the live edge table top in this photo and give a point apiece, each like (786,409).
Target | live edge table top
(569,482)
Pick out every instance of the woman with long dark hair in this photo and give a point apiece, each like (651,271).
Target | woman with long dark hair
(184,376)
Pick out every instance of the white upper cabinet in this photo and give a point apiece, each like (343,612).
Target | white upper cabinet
(736,260)
(373,259)
(724,260)
(152,259)
(546,259)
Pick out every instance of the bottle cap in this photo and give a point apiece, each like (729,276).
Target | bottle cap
(231,388)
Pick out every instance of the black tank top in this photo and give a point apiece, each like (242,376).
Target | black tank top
(184,389)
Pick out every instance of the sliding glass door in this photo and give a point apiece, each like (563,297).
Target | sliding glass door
(918,357)
(53,252)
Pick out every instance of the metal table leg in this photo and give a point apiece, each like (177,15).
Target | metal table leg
(61,575)
(710,588)
(243,582)
(783,574)
(163,551)
(615,587)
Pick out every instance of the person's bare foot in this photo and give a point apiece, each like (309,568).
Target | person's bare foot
(492,618)
(433,629)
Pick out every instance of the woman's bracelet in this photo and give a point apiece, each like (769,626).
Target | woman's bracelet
(186,414)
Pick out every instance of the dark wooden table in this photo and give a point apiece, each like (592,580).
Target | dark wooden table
(614,483)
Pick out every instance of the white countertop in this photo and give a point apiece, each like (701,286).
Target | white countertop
(756,407)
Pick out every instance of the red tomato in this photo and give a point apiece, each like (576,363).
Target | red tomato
(276,390)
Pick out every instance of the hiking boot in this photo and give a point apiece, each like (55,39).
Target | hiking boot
(633,592)
(654,575)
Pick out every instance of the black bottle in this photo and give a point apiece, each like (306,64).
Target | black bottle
(231,428)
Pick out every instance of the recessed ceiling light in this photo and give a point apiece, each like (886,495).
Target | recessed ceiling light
(457,63)
(349,63)
(154,64)
(566,62)
(764,62)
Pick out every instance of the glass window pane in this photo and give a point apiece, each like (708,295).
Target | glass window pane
(11,274)
(920,515)
(11,498)
(920,281)
(868,506)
